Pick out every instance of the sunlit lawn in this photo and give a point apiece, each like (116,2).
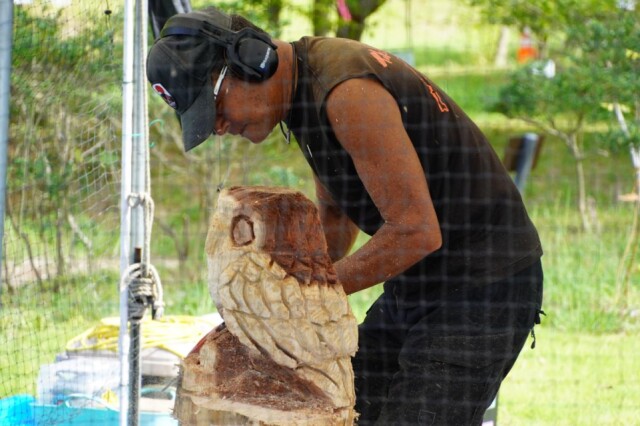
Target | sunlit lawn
(574,378)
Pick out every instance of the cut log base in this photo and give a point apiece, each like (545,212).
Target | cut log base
(224,383)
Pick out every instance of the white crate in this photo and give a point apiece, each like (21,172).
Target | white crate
(89,378)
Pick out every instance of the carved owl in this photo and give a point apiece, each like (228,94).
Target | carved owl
(274,285)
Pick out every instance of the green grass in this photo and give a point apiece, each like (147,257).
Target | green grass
(36,329)
(581,271)
(37,323)
(574,378)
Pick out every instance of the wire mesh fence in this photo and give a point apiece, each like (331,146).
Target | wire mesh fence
(60,256)
(59,266)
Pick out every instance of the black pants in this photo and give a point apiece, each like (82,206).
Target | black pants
(438,358)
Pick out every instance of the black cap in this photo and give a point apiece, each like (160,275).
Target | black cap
(179,69)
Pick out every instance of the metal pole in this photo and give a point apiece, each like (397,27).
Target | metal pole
(140,185)
(6,34)
(139,146)
(525,159)
(126,255)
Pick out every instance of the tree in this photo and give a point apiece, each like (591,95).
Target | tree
(49,163)
(322,17)
(588,44)
(560,106)
(264,13)
(546,18)
(349,22)
(359,11)
(609,46)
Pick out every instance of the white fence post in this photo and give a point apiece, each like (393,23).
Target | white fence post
(6,34)
(125,216)
(135,189)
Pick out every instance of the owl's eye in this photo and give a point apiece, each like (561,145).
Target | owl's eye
(242,231)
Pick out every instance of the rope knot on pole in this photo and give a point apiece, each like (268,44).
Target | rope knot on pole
(141,279)
(144,290)
(143,199)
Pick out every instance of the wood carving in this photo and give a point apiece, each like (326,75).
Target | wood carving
(283,355)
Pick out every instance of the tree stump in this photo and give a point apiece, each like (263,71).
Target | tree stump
(283,354)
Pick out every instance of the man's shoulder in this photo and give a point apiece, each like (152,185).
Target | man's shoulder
(329,61)
(329,45)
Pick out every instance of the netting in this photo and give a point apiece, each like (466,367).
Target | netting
(60,255)
(60,265)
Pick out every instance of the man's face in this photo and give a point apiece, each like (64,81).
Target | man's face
(243,109)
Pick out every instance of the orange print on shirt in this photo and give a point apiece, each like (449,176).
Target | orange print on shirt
(443,107)
(383,58)
(434,94)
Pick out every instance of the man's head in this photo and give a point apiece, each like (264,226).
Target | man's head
(194,45)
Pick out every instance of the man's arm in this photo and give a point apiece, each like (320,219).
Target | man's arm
(340,232)
(366,120)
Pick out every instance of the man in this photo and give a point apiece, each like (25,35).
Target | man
(395,157)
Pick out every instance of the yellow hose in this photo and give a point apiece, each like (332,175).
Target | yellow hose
(172,333)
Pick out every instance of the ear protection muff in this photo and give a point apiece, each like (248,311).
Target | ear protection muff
(250,55)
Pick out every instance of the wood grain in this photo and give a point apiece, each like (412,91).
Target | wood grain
(284,353)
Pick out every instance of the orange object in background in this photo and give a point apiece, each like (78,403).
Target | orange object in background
(527,51)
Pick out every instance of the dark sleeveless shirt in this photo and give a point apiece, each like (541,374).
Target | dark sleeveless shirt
(487,234)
